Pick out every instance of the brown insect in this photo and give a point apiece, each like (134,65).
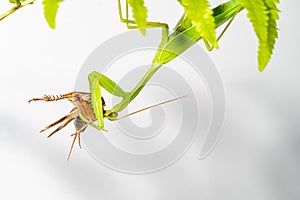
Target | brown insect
(82,105)
(82,108)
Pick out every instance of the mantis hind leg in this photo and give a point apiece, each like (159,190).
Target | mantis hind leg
(131,24)
(209,47)
(76,135)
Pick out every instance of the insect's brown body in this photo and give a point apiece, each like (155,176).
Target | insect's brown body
(85,108)
(82,107)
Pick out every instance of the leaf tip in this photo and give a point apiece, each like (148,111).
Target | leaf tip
(261,69)
(262,66)
(143,31)
(51,24)
(50,11)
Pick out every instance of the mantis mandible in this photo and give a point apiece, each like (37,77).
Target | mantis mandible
(89,107)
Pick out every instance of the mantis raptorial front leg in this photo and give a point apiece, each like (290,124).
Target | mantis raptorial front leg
(96,80)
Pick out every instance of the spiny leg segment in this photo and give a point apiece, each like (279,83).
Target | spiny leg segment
(76,134)
(64,120)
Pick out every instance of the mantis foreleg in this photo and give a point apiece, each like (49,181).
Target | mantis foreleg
(96,81)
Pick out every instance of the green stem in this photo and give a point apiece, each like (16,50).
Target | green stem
(15,8)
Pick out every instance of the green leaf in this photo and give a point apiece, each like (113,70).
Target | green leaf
(50,11)
(139,14)
(263,15)
(17,2)
(200,14)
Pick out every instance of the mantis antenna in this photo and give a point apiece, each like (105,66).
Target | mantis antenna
(161,103)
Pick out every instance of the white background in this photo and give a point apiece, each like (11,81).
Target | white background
(256,158)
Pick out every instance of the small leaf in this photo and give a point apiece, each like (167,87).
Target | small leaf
(139,14)
(258,15)
(17,2)
(200,14)
(263,15)
(50,11)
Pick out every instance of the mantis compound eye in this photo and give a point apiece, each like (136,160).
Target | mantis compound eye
(112,116)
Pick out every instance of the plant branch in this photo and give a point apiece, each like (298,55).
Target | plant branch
(15,8)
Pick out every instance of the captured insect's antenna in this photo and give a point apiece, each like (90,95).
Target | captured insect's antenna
(161,103)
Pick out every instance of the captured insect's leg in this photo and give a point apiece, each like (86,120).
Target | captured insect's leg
(209,47)
(72,145)
(54,123)
(52,97)
(68,120)
(76,134)
(64,120)
(79,140)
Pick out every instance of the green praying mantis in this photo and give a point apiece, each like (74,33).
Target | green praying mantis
(89,107)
